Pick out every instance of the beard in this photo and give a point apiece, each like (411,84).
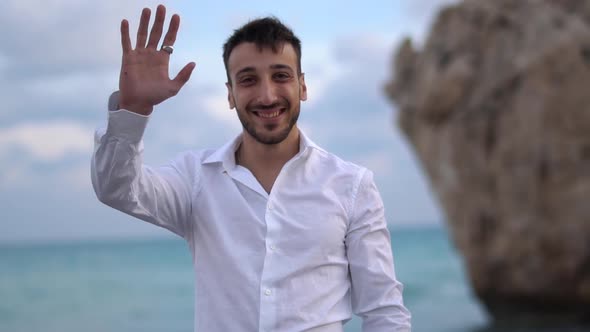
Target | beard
(270,135)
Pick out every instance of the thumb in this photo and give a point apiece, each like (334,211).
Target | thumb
(184,75)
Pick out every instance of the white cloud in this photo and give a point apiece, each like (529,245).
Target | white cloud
(76,87)
(75,176)
(216,105)
(67,35)
(320,70)
(353,119)
(48,142)
(3,62)
(378,161)
(22,175)
(60,59)
(13,175)
(367,49)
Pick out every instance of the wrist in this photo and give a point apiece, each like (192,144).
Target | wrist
(118,103)
(127,126)
(137,108)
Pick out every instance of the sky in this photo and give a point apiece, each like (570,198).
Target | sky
(60,59)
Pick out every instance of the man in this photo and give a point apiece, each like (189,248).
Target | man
(284,235)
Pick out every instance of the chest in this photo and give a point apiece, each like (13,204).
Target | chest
(266,179)
(302,215)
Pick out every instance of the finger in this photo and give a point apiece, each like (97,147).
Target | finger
(143,28)
(184,75)
(156,32)
(170,37)
(125,39)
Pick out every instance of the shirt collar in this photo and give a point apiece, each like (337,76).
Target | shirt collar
(226,154)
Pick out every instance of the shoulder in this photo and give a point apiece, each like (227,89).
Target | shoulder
(344,177)
(193,157)
(331,162)
(189,164)
(318,157)
(347,180)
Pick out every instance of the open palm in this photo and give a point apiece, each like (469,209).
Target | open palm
(144,80)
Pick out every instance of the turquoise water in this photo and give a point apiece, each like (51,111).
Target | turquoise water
(147,285)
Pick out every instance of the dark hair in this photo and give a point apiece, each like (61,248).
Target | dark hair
(264,32)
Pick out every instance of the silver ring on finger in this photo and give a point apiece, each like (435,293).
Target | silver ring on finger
(168,49)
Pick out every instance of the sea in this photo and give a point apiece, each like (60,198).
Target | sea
(147,285)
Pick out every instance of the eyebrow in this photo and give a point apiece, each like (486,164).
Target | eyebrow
(245,70)
(275,66)
(281,66)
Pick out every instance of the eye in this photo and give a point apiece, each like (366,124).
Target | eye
(282,76)
(246,80)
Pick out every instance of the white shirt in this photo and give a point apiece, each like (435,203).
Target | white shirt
(302,258)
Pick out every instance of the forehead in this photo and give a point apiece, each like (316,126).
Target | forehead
(249,55)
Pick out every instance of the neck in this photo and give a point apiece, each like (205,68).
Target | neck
(258,156)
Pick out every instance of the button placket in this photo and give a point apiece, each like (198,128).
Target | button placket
(270,295)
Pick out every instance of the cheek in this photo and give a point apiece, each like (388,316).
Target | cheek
(242,101)
(297,95)
(291,92)
(237,98)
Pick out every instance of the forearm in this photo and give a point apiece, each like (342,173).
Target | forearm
(376,292)
(159,196)
(116,162)
(393,317)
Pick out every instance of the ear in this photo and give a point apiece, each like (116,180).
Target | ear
(230,96)
(302,88)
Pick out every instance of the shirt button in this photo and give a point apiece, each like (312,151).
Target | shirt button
(267,292)
(269,206)
(273,247)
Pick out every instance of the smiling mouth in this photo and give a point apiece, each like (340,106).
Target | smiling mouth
(269,114)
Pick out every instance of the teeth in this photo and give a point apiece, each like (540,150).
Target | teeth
(269,115)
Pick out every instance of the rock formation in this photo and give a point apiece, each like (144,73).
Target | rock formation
(497,108)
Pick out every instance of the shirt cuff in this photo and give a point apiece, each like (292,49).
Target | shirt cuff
(124,124)
(127,125)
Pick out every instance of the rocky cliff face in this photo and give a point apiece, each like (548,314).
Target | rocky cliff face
(497,108)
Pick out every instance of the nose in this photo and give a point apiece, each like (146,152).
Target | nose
(267,94)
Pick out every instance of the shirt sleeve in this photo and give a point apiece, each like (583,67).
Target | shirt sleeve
(376,293)
(161,196)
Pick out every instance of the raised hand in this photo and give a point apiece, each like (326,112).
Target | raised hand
(144,80)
